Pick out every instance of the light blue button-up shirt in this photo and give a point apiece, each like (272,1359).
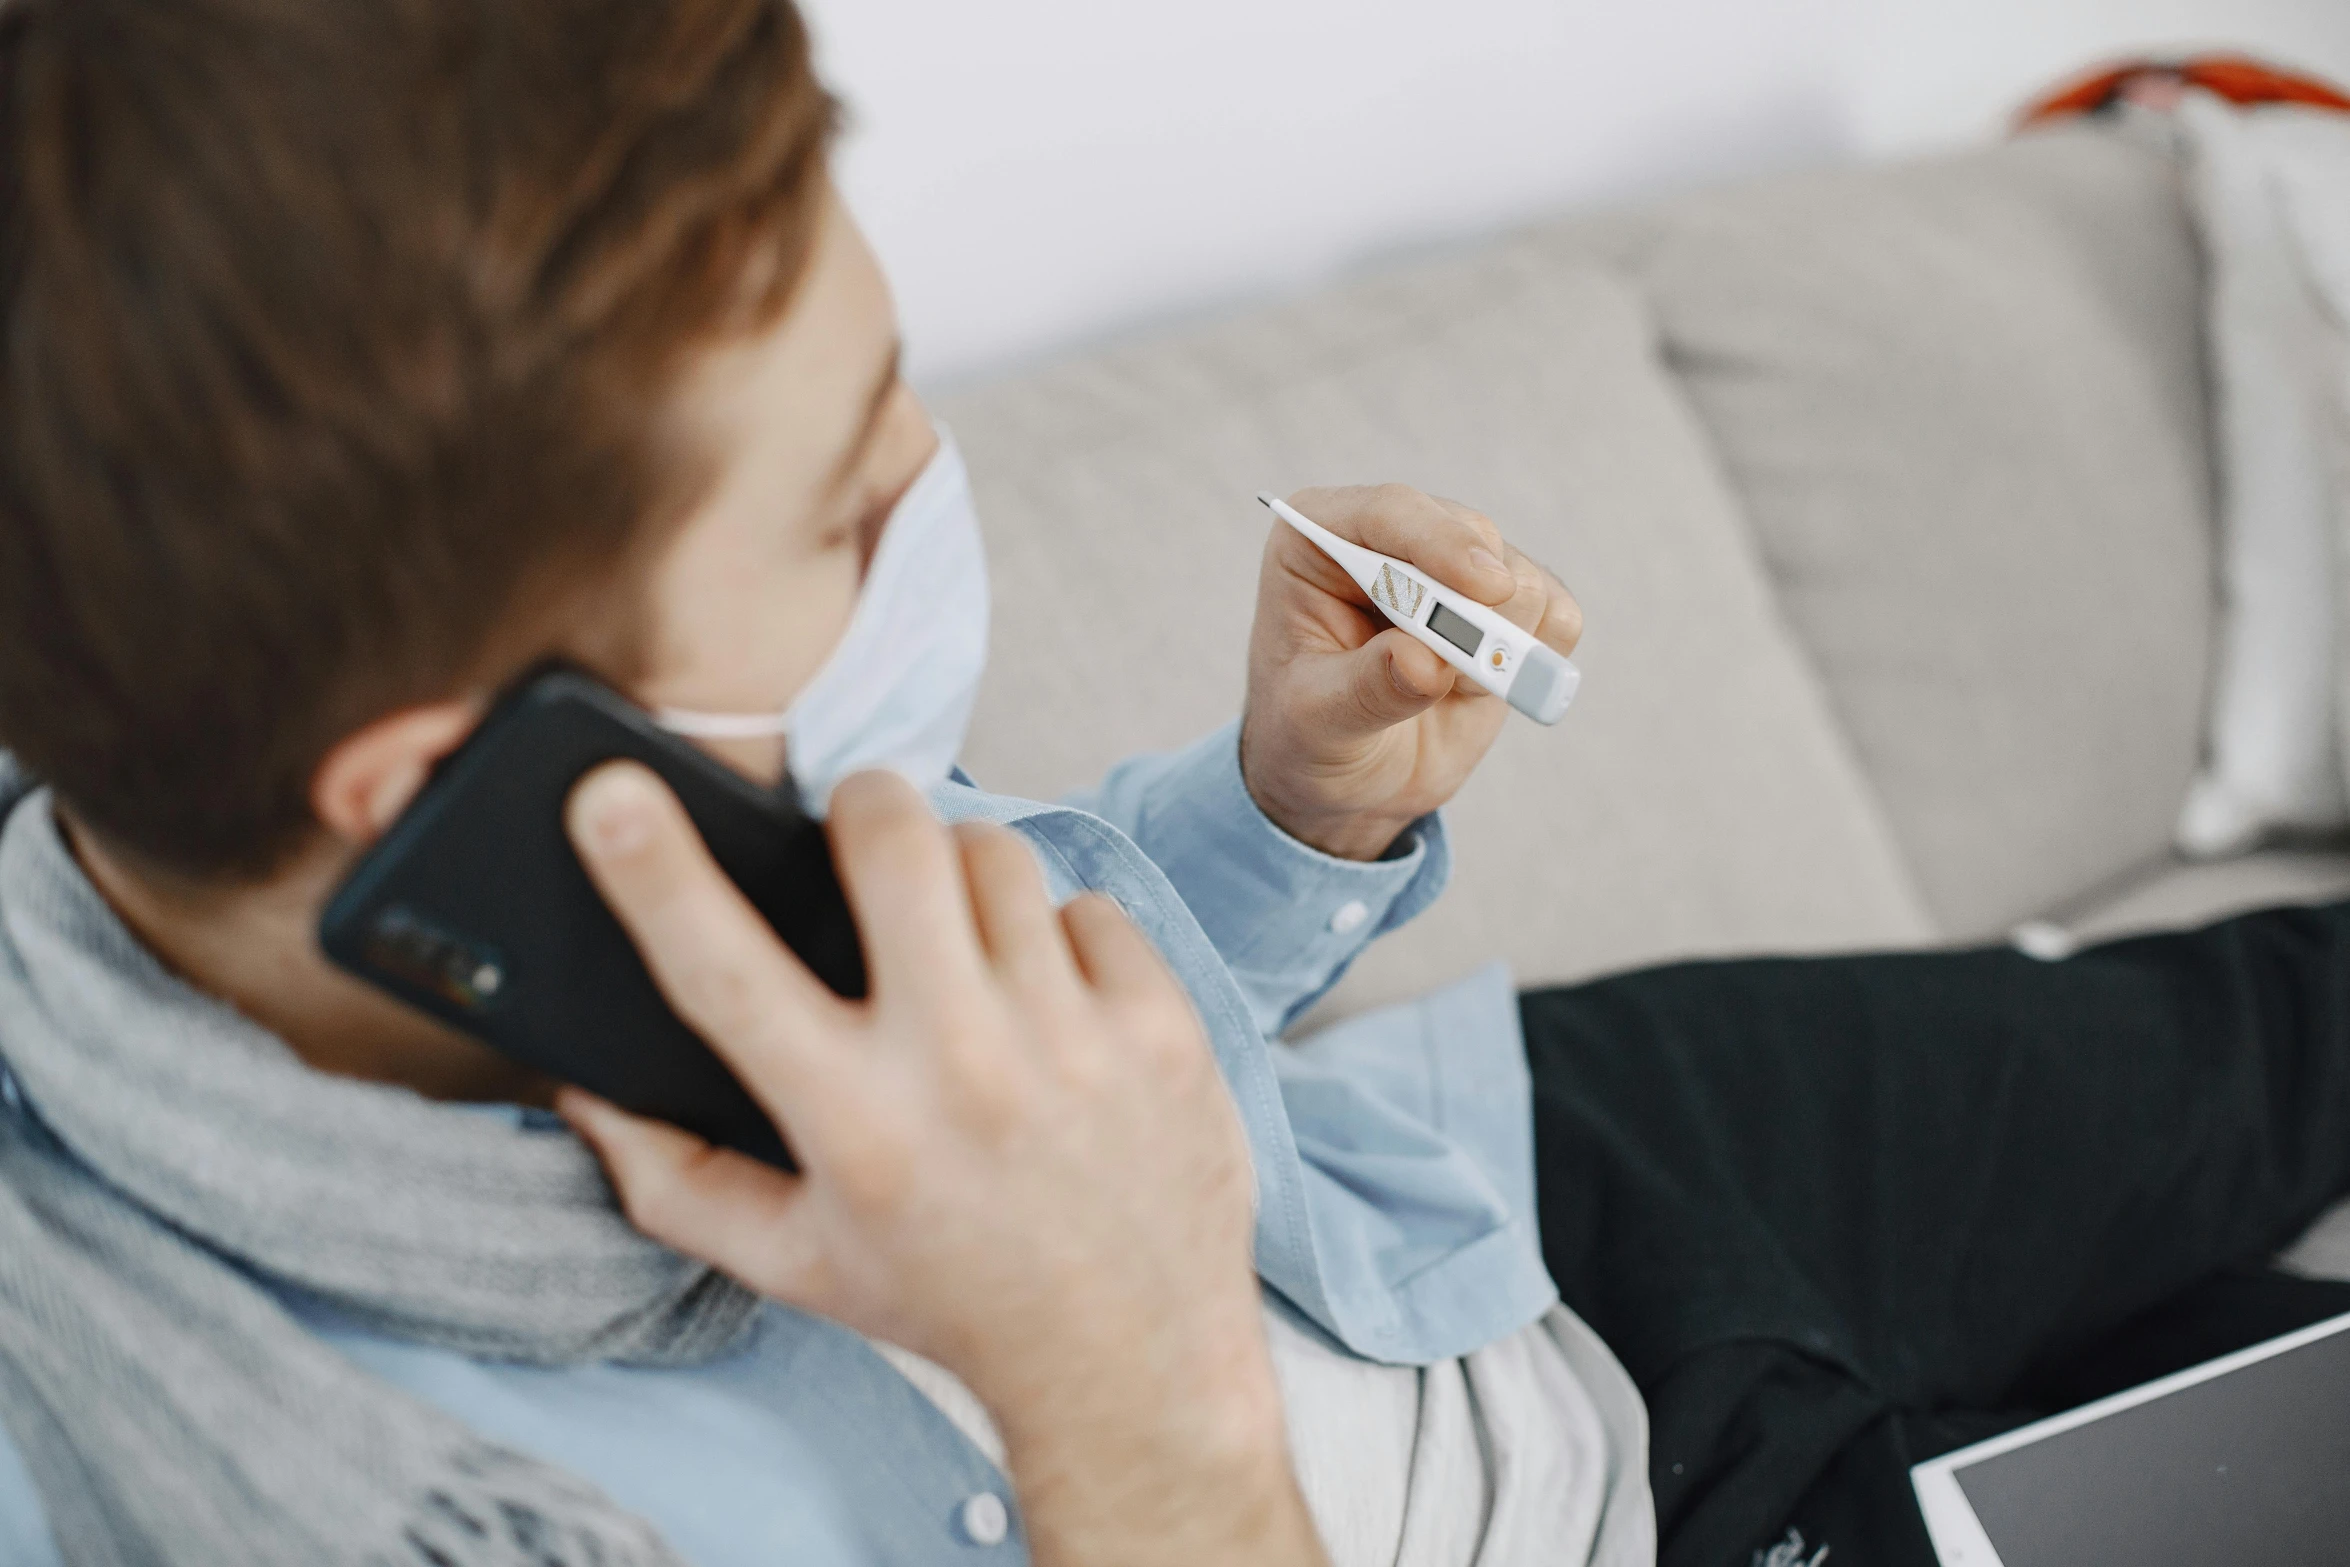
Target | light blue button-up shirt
(1395,1203)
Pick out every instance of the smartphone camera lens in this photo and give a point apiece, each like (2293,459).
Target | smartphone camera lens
(411,948)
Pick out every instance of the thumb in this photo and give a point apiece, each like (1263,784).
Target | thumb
(1389,680)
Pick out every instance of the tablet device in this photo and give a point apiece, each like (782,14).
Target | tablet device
(2241,1462)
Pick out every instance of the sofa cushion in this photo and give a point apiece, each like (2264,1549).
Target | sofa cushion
(2279,364)
(2178,895)
(1697,798)
(1961,402)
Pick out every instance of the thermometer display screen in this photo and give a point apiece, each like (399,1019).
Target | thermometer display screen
(1457,629)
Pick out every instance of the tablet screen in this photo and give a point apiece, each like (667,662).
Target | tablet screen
(2248,1468)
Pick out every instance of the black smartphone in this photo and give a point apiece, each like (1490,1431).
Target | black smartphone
(474,907)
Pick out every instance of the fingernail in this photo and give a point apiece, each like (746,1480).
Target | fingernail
(615,811)
(1485,560)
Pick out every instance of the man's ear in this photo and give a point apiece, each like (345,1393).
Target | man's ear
(369,777)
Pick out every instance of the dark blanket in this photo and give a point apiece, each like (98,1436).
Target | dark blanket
(1840,1215)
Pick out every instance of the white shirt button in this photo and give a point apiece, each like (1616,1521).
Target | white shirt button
(1350,916)
(985,1520)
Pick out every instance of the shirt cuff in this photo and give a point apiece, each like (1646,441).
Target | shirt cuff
(1286,918)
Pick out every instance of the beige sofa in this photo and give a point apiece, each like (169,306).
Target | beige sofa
(1888,498)
(1886,494)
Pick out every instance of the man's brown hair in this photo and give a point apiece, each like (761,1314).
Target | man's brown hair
(337,338)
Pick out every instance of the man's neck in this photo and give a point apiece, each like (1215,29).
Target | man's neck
(254,946)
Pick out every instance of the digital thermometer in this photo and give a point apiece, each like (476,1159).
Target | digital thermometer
(1506,660)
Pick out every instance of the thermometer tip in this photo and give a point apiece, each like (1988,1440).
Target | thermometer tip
(1264,498)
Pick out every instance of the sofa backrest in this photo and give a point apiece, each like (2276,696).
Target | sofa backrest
(1962,404)
(1884,493)
(1699,797)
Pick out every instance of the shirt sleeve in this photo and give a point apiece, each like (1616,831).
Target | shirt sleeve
(1287,919)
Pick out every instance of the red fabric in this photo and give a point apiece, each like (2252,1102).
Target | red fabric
(2235,77)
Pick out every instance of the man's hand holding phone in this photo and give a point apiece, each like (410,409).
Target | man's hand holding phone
(1017,1158)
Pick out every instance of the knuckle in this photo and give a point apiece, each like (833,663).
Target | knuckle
(992,1112)
(869,1146)
(870,792)
(902,847)
(876,1175)
(713,992)
(990,1089)
(898,827)
(980,838)
(1407,677)
(1094,916)
(1323,501)
(996,854)
(1180,1062)
(967,1058)
(879,807)
(1093,903)
(1079,1047)
(1085,1068)
(1484,527)
(1529,601)
(1562,612)
(1161,1027)
(651,1194)
(1568,613)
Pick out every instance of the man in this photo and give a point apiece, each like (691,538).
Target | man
(358,357)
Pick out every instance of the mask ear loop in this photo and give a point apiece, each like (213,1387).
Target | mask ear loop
(721,726)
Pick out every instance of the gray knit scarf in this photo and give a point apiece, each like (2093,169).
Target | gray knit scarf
(178,1157)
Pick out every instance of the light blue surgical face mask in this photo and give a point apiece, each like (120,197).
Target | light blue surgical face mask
(898,688)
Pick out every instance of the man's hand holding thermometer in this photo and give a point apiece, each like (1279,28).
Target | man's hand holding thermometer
(1387,621)
(1475,640)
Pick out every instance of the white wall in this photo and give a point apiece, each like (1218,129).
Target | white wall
(1039,173)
